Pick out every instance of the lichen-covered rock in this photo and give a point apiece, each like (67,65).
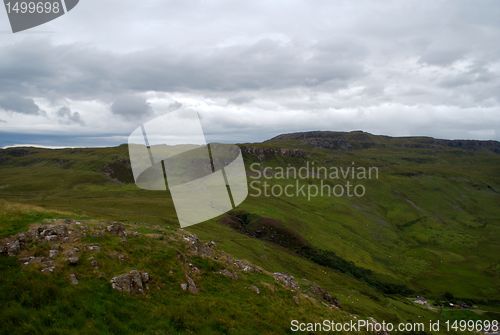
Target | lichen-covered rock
(72,256)
(190,286)
(48,269)
(94,248)
(52,232)
(15,244)
(197,247)
(117,228)
(246,267)
(286,280)
(132,282)
(228,274)
(73,279)
(13,248)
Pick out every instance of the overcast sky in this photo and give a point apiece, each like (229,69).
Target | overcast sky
(254,69)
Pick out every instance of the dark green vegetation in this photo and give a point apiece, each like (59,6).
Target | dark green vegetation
(428,225)
(273,231)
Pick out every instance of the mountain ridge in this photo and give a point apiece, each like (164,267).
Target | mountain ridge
(362,140)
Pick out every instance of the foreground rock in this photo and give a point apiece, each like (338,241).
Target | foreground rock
(117,228)
(14,245)
(53,253)
(286,280)
(73,279)
(12,248)
(228,274)
(199,248)
(73,256)
(246,267)
(52,232)
(190,286)
(132,282)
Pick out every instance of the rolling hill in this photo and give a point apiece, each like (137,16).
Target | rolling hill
(427,226)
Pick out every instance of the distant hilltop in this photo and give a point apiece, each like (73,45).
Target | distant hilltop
(363,140)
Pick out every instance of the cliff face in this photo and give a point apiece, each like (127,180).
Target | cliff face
(263,153)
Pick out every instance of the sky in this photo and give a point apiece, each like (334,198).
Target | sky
(253,69)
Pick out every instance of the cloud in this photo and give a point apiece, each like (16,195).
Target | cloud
(131,107)
(18,104)
(176,105)
(65,115)
(75,71)
(252,69)
(240,100)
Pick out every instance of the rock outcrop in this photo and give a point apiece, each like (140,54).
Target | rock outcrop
(246,266)
(190,286)
(262,153)
(117,228)
(73,256)
(62,243)
(73,279)
(228,274)
(286,280)
(14,245)
(132,282)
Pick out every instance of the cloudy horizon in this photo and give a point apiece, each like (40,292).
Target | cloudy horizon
(254,70)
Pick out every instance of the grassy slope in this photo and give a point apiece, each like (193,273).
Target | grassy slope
(432,217)
(431,221)
(36,303)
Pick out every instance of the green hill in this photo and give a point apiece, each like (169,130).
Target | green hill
(428,226)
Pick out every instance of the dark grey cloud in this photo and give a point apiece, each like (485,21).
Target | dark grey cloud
(19,104)
(40,68)
(240,99)
(65,115)
(265,64)
(131,107)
